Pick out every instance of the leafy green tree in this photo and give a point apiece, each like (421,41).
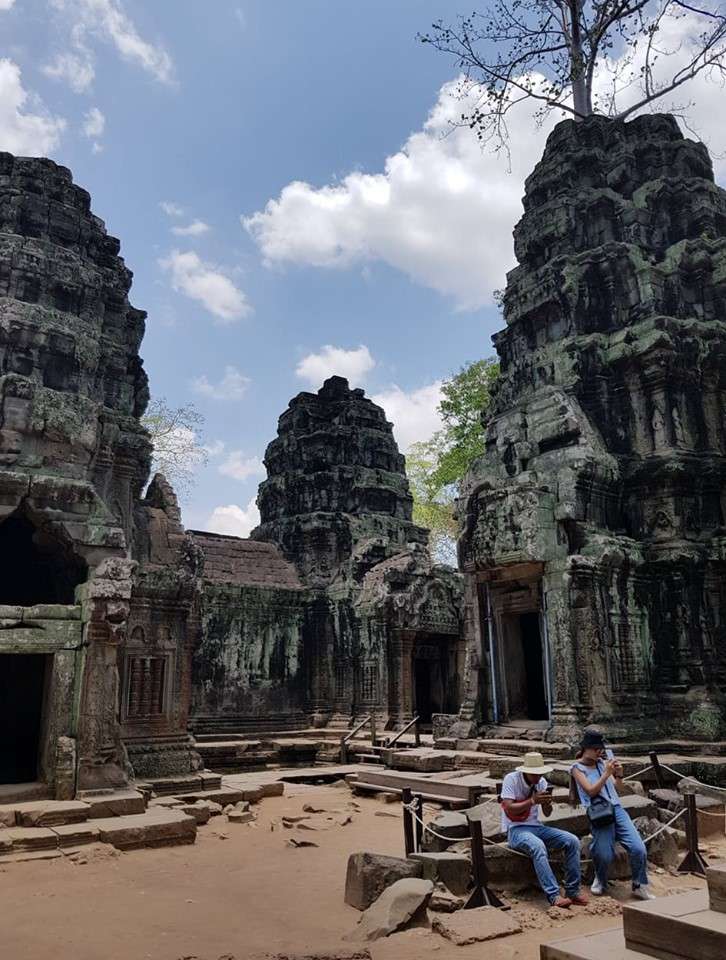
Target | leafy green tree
(437,466)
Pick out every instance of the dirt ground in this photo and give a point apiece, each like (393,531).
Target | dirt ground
(243,891)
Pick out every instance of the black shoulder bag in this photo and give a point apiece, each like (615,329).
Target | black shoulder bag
(601,812)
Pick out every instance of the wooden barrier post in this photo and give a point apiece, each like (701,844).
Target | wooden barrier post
(481,895)
(655,762)
(343,750)
(418,825)
(373,730)
(693,862)
(406,798)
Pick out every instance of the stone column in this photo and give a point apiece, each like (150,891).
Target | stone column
(102,760)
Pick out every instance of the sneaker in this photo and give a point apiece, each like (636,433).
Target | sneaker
(643,892)
(579,899)
(597,889)
(563,902)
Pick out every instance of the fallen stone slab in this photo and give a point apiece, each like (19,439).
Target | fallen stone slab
(223,795)
(200,810)
(75,834)
(444,901)
(50,813)
(369,874)
(155,828)
(476,926)
(241,816)
(663,850)
(274,789)
(400,905)
(449,824)
(116,803)
(7,815)
(31,838)
(451,869)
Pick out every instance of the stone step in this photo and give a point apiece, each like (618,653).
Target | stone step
(438,789)
(44,813)
(113,803)
(607,945)
(716,877)
(516,747)
(682,925)
(158,827)
(168,786)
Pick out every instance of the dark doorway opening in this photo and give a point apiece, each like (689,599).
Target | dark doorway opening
(533,653)
(22,681)
(35,567)
(422,680)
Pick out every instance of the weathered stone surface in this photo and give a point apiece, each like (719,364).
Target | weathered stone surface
(476,926)
(75,834)
(336,573)
(451,869)
(369,874)
(603,473)
(200,810)
(155,828)
(398,906)
(663,850)
(114,804)
(448,824)
(50,813)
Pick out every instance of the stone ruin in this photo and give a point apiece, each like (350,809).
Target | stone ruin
(593,542)
(97,584)
(333,609)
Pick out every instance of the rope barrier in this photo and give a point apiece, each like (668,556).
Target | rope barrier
(699,783)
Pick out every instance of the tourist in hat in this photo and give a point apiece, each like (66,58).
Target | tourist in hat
(525,792)
(593,777)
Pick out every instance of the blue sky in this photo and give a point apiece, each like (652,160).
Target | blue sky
(283,180)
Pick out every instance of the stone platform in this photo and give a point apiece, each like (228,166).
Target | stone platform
(689,926)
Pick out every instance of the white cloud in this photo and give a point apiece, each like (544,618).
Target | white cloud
(414,414)
(240,467)
(232,386)
(442,209)
(6,4)
(94,123)
(171,209)
(108,21)
(195,229)
(355,365)
(34,133)
(234,521)
(75,69)
(206,284)
(215,448)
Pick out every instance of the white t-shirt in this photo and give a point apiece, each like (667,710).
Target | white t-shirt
(515,787)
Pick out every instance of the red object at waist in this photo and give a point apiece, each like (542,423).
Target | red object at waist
(515,817)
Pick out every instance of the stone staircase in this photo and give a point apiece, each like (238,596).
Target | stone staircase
(688,926)
(160,813)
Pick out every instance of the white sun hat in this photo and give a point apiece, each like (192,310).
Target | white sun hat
(534,763)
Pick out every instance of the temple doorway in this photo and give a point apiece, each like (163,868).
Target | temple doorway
(22,682)
(524,668)
(431,675)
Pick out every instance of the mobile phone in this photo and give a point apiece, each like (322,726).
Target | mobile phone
(609,754)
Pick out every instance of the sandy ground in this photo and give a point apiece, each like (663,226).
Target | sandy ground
(243,891)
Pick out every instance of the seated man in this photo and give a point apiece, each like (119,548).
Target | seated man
(524,793)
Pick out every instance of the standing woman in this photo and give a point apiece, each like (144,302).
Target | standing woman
(593,777)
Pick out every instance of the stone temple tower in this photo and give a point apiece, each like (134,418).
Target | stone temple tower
(88,570)
(594,525)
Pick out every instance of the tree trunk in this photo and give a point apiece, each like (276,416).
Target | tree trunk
(580,96)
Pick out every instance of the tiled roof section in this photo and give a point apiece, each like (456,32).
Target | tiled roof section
(247,563)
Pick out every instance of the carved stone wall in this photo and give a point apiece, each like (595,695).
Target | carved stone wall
(604,473)
(310,630)
(74,459)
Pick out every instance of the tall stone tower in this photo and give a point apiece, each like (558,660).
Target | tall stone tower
(594,534)
(74,458)
(335,478)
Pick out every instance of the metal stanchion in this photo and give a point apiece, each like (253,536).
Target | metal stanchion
(418,824)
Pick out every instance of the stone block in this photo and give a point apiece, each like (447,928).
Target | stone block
(114,803)
(50,813)
(476,926)
(451,869)
(155,828)
(369,874)
(716,879)
(400,905)
(200,810)
(274,789)
(32,838)
(75,834)
(448,824)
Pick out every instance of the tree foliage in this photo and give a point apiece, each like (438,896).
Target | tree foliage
(177,444)
(554,51)
(437,466)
